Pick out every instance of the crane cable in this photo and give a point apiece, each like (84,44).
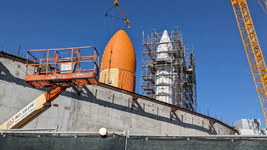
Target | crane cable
(262,6)
(124,18)
(111,15)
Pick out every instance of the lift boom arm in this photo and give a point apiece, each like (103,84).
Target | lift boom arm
(253,50)
(33,110)
(57,71)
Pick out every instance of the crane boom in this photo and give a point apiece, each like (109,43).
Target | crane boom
(253,50)
(33,110)
(126,20)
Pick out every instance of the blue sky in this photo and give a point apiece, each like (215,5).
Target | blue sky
(224,81)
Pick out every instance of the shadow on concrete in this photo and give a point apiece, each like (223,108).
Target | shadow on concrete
(7,76)
(138,110)
(90,97)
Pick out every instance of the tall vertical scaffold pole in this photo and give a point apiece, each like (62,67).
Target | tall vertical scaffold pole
(181,70)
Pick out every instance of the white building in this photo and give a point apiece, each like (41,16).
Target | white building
(249,127)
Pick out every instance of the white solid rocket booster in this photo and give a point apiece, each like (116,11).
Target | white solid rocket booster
(164,78)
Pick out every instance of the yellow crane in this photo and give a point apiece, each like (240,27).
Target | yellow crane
(265,2)
(253,50)
(126,20)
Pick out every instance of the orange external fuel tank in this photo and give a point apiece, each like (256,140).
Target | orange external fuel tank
(118,65)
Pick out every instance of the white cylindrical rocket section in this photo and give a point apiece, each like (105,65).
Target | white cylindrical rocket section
(164,79)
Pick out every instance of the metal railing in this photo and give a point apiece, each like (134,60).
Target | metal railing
(62,60)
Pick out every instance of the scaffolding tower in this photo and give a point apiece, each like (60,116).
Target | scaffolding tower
(181,66)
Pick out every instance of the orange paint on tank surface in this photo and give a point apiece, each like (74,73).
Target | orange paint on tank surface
(118,65)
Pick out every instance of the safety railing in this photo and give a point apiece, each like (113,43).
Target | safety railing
(62,60)
(55,64)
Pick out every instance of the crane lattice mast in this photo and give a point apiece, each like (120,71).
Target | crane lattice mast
(253,50)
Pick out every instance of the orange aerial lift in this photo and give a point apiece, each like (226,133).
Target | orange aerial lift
(253,50)
(59,69)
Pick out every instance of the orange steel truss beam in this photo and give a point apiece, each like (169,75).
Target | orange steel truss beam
(48,71)
(253,50)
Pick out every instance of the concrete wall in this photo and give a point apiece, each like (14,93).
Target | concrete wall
(96,107)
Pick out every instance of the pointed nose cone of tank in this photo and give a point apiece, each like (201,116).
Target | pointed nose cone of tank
(166,46)
(165,37)
(118,65)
